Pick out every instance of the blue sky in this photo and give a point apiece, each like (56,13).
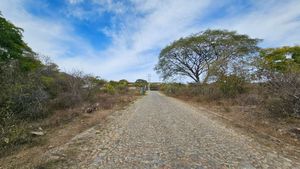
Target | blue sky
(122,39)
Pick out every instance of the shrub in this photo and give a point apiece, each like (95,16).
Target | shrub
(140,83)
(14,134)
(232,85)
(122,86)
(22,93)
(30,102)
(283,95)
(109,88)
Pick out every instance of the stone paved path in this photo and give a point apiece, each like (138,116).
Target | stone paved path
(162,132)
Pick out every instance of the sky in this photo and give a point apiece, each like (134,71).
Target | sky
(122,39)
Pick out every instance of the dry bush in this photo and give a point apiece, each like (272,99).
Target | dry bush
(200,92)
(22,93)
(283,95)
(232,85)
(209,92)
(68,90)
(253,97)
(249,99)
(22,100)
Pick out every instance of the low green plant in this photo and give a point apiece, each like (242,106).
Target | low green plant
(232,85)
(109,88)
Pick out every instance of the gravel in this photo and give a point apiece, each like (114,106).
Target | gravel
(161,132)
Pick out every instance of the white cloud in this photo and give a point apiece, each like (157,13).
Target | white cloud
(97,7)
(45,36)
(277,22)
(162,22)
(140,30)
(133,44)
(75,1)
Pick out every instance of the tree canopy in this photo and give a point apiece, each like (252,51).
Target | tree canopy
(194,56)
(284,59)
(140,83)
(12,46)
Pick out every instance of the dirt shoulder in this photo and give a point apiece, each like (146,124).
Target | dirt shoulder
(59,134)
(269,131)
(163,132)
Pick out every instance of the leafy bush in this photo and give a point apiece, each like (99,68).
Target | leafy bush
(109,88)
(122,86)
(232,85)
(140,83)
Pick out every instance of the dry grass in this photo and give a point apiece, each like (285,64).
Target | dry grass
(253,119)
(247,109)
(62,126)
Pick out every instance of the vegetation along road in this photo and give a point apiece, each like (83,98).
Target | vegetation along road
(162,132)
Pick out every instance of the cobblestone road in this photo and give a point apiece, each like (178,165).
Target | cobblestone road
(162,132)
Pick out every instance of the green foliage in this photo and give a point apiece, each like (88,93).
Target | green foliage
(140,83)
(283,60)
(280,67)
(232,85)
(109,88)
(30,90)
(29,63)
(123,82)
(11,44)
(155,86)
(12,47)
(122,86)
(194,56)
(96,81)
(114,87)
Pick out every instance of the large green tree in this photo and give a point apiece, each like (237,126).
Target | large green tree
(13,48)
(140,83)
(194,56)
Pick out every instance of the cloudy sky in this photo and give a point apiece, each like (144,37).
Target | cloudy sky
(122,39)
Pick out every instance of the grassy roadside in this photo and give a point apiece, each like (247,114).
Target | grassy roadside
(253,121)
(61,127)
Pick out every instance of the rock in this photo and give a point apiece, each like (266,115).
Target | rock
(40,128)
(295,132)
(6,140)
(92,108)
(265,122)
(37,133)
(281,131)
(89,110)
